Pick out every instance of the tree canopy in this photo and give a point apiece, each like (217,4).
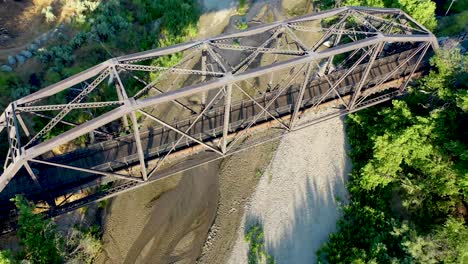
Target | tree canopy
(421,10)
(409,185)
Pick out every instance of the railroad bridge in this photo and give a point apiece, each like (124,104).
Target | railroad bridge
(139,118)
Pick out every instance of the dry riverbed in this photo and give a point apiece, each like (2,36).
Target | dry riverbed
(297,199)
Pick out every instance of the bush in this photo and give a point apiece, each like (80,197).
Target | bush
(82,246)
(60,56)
(42,243)
(242,10)
(257,252)
(48,14)
(242,25)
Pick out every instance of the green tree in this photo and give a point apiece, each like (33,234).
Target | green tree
(37,235)
(421,10)
(410,175)
(5,257)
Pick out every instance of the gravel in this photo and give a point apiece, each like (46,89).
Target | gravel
(298,196)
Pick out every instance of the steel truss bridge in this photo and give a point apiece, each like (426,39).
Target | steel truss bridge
(130,121)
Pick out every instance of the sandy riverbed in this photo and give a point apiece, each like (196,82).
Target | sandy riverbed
(164,222)
(298,197)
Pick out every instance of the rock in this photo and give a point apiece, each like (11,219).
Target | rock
(11,60)
(38,41)
(62,36)
(26,53)
(4,38)
(33,47)
(6,68)
(21,59)
(44,38)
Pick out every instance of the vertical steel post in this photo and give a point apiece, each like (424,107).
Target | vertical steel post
(141,154)
(15,123)
(227,116)
(122,98)
(329,33)
(32,174)
(136,131)
(23,125)
(278,45)
(337,40)
(203,77)
(403,86)
(356,94)
(300,96)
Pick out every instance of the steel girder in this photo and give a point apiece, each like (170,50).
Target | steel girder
(288,53)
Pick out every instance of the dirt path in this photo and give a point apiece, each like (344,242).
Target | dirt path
(22,22)
(297,198)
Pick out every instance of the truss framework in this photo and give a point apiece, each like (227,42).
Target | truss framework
(259,65)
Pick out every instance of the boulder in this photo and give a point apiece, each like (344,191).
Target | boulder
(33,47)
(20,58)
(11,60)
(4,38)
(62,36)
(44,37)
(26,53)
(6,68)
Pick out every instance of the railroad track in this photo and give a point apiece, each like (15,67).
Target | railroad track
(113,155)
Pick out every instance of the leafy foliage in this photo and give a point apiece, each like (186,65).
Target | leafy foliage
(5,257)
(82,246)
(453,25)
(48,13)
(37,235)
(409,185)
(242,25)
(421,10)
(242,9)
(257,252)
(42,243)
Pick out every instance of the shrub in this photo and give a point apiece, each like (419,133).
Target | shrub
(242,9)
(42,243)
(48,14)
(257,252)
(242,25)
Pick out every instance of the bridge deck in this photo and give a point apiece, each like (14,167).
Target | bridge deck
(118,154)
